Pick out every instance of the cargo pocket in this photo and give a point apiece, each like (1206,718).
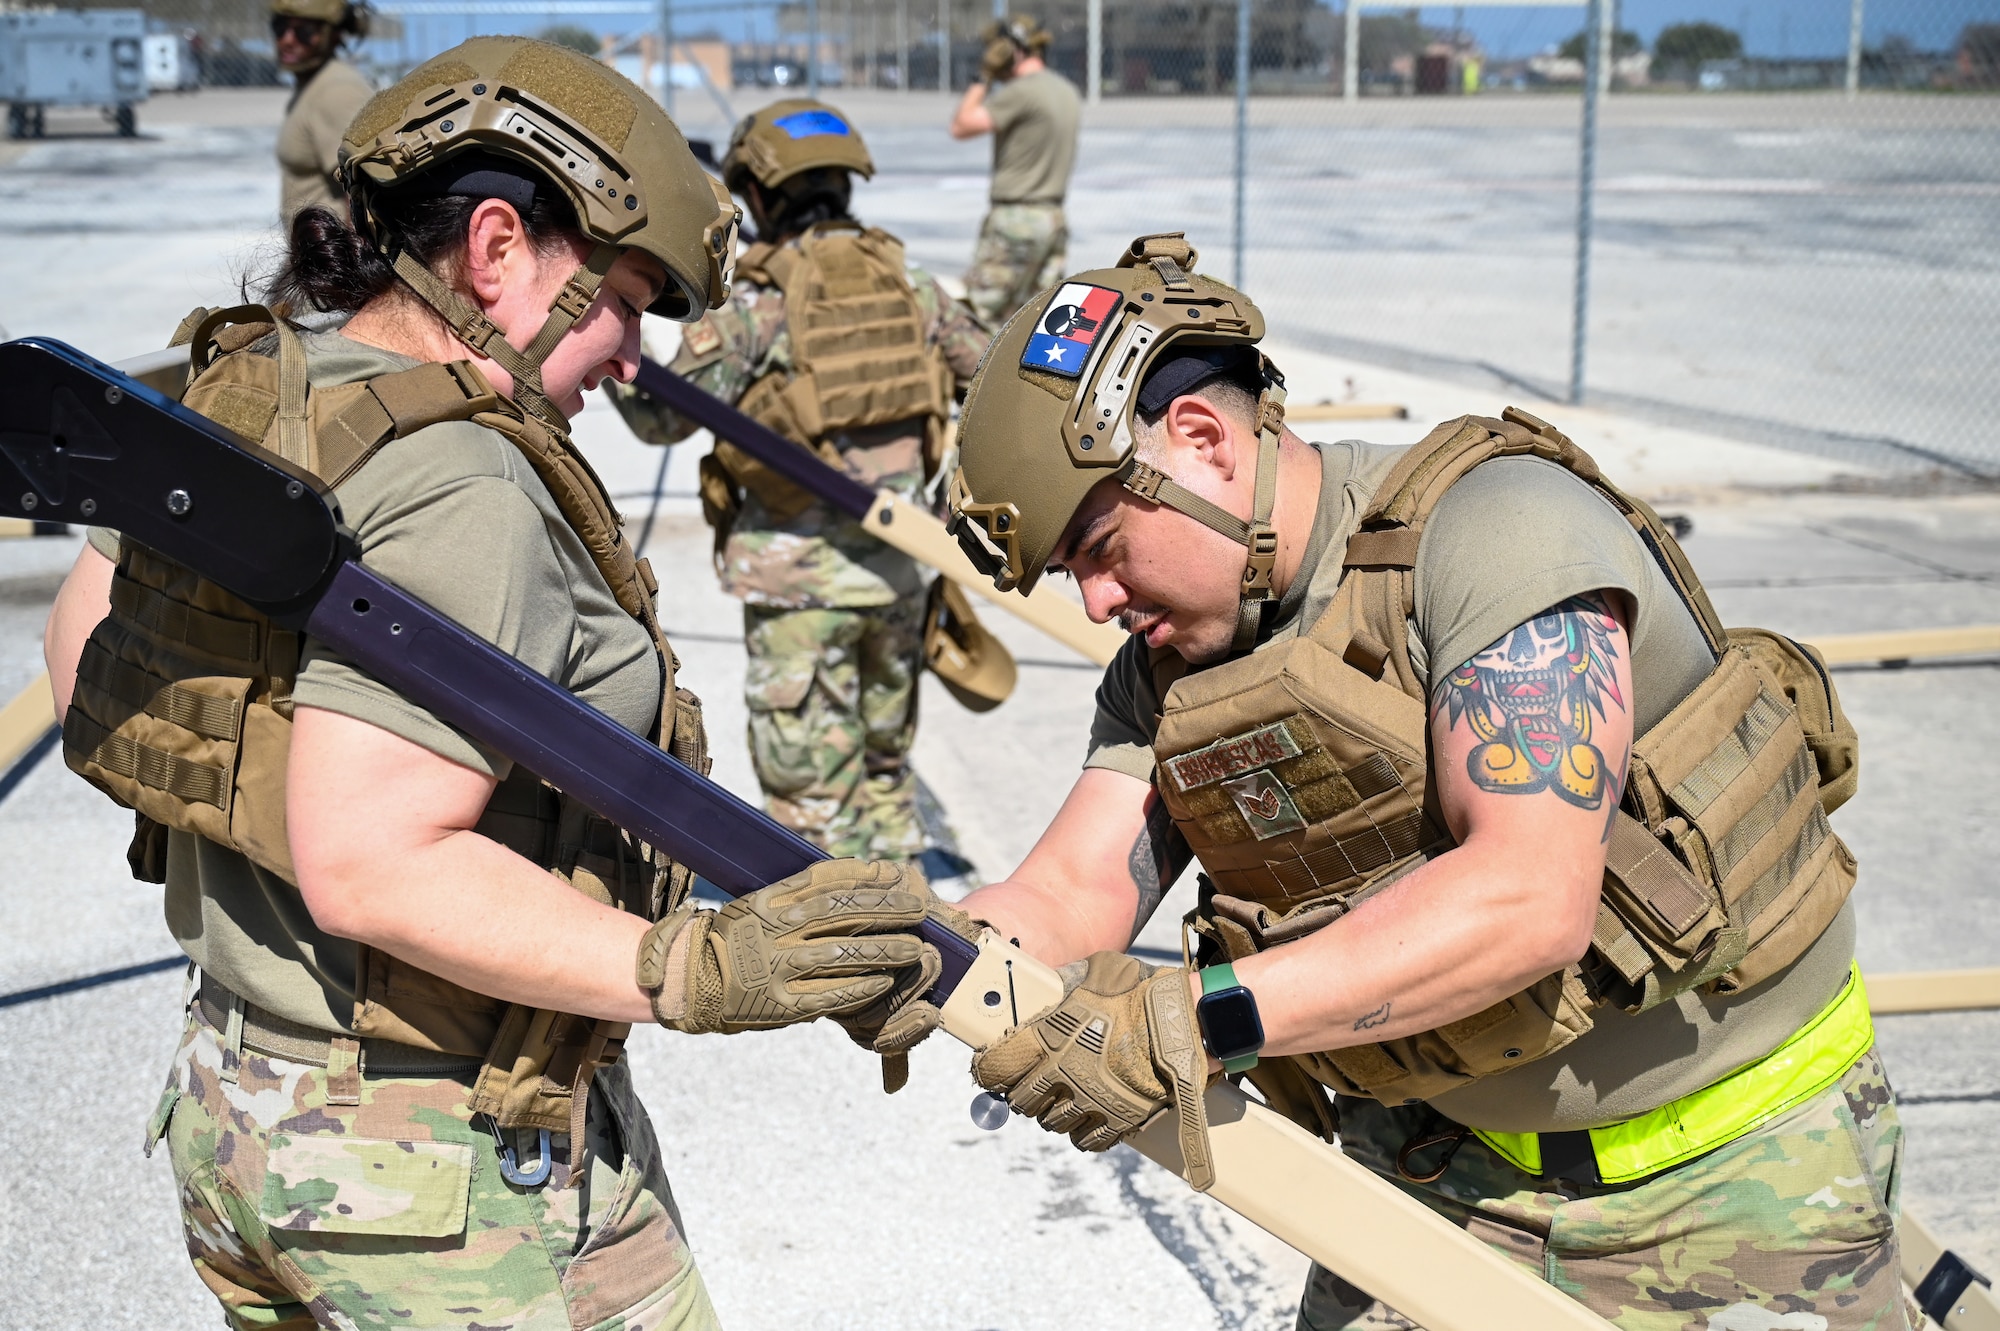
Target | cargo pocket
(360,1185)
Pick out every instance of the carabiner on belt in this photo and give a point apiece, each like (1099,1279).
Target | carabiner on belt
(537,1173)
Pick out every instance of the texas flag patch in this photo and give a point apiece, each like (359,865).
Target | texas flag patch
(1071,325)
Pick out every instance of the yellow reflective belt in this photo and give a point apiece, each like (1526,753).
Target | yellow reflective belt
(1815,1058)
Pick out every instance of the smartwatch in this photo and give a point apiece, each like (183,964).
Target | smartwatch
(1227,1014)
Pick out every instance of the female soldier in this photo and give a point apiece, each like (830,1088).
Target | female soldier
(398,1100)
(306,36)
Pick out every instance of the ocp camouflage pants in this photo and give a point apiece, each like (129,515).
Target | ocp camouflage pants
(1787,1228)
(1022,249)
(833,712)
(393,1214)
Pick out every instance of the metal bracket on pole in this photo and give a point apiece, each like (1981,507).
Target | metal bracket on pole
(1950,1292)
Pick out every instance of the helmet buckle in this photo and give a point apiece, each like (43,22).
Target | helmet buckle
(1257,570)
(477,332)
(1145,481)
(573,299)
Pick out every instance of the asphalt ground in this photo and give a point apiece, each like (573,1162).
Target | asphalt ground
(811,1200)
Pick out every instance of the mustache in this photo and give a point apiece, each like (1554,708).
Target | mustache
(1138,618)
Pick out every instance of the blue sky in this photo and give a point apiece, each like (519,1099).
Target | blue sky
(1769,27)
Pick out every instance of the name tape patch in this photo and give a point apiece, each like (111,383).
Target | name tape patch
(1232,756)
(1072,321)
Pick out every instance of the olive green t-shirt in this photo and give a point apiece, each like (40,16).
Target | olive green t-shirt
(1514,537)
(455,515)
(1034,137)
(316,120)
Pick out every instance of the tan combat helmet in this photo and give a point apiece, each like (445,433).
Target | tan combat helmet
(1021,29)
(786,138)
(340,15)
(1049,414)
(584,128)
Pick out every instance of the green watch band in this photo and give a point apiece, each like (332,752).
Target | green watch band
(1218,979)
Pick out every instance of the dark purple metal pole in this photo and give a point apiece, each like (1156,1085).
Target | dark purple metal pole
(494,698)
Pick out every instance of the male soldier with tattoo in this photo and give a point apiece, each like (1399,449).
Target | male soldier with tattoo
(832,618)
(1518,874)
(1032,113)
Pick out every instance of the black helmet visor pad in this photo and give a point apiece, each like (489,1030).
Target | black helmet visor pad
(1187,370)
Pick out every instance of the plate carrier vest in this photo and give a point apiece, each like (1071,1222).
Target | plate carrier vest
(860,358)
(183,706)
(1299,775)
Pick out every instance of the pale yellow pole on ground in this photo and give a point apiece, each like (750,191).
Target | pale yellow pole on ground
(1907,644)
(1934,991)
(23,722)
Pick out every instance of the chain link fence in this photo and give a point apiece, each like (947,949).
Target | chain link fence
(1803,251)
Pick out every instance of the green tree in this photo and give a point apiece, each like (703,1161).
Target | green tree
(574,37)
(1623,43)
(1681,48)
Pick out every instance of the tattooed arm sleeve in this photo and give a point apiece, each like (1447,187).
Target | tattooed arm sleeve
(1158,857)
(1544,710)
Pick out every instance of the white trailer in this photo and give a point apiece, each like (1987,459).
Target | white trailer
(170,65)
(66,58)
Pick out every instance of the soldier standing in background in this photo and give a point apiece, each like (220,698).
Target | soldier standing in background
(833,619)
(1032,113)
(326,92)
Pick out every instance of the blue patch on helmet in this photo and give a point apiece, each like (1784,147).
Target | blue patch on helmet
(812,124)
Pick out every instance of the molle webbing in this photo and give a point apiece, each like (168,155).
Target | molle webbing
(154,768)
(182,625)
(860,350)
(205,714)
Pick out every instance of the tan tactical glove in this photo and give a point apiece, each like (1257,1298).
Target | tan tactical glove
(998,61)
(902,1019)
(824,942)
(1120,1050)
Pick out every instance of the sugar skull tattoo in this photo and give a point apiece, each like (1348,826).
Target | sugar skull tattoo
(1531,698)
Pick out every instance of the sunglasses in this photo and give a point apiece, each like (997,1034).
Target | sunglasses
(305,29)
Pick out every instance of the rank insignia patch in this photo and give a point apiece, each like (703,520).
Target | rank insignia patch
(1264,805)
(1070,326)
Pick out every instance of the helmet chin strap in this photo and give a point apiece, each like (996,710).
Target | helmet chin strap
(1257,535)
(481,334)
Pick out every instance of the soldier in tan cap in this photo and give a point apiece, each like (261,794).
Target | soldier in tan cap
(326,92)
(1032,113)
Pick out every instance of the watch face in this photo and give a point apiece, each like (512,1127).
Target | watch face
(1229,1023)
